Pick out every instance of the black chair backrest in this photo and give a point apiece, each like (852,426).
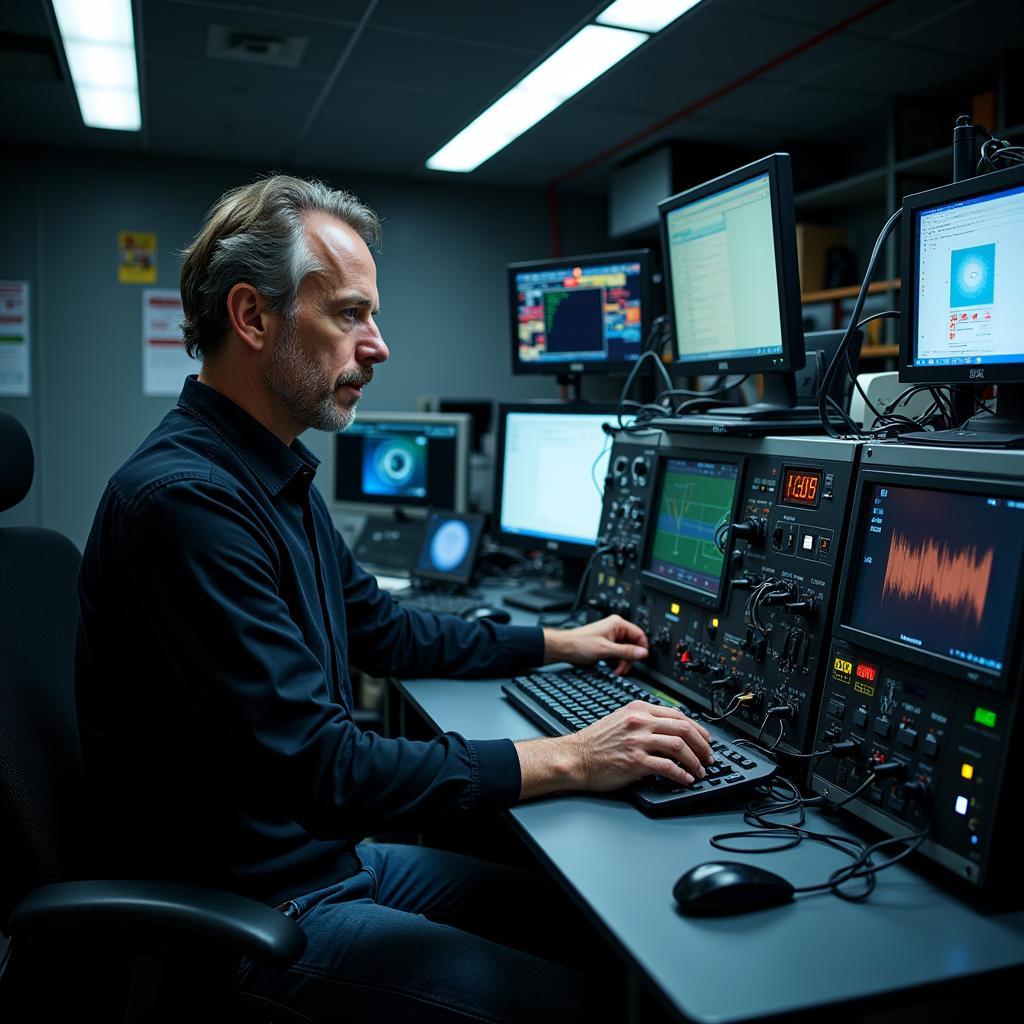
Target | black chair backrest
(41,779)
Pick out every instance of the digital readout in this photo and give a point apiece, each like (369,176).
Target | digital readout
(801,487)
(865,671)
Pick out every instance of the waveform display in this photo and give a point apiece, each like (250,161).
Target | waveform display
(954,580)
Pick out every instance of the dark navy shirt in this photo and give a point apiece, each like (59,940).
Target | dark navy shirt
(220,613)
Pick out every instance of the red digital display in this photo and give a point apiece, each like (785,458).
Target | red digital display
(866,672)
(801,487)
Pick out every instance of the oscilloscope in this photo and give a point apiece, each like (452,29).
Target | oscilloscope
(924,666)
(725,550)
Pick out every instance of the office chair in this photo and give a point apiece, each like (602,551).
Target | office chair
(141,949)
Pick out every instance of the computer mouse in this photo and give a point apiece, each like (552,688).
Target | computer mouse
(728,887)
(488,612)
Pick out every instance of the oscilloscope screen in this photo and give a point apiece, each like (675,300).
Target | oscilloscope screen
(695,497)
(937,572)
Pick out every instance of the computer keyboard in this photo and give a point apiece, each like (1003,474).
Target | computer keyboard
(565,701)
(438,602)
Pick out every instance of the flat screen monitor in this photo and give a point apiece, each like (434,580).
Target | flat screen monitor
(693,498)
(962,312)
(480,409)
(934,573)
(407,460)
(732,282)
(552,459)
(451,541)
(580,314)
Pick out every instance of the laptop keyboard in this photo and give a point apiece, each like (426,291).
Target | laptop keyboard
(439,603)
(565,701)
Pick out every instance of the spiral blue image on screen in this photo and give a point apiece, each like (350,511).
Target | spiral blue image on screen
(395,466)
(972,276)
(449,546)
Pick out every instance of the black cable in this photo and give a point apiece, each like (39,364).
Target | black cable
(574,610)
(790,834)
(851,329)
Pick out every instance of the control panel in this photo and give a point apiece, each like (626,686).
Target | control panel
(945,747)
(923,681)
(724,551)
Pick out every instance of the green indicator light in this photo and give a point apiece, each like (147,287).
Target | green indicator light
(985,717)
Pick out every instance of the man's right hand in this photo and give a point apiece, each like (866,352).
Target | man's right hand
(631,743)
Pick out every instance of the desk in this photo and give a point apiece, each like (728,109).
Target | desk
(620,867)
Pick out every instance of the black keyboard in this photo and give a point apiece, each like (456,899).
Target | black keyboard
(565,701)
(438,602)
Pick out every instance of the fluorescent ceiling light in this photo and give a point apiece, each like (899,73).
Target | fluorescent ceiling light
(644,15)
(110,108)
(588,55)
(99,43)
(109,67)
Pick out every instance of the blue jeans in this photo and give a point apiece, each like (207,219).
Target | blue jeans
(423,935)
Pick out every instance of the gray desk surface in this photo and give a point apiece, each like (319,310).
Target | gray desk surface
(821,950)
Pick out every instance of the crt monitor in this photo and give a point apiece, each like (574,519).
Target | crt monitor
(402,460)
(580,314)
(933,574)
(962,305)
(732,281)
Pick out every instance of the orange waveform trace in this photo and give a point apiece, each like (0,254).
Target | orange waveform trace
(954,580)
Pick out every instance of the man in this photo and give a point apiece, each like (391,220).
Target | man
(221,611)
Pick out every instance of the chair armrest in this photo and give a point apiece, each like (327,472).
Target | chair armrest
(183,915)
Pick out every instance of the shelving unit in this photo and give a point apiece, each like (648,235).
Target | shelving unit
(862,202)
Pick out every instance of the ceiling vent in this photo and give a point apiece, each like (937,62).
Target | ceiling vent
(266,49)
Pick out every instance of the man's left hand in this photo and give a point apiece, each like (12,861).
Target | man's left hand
(612,639)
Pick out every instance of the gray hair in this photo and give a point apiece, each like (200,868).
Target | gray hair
(256,234)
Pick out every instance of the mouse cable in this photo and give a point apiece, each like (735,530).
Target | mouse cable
(861,867)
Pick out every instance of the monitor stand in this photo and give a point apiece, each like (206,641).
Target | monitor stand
(551,595)
(776,413)
(1005,429)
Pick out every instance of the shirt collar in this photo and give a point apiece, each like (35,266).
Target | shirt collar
(274,463)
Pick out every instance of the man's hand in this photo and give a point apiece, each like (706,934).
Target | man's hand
(612,639)
(631,743)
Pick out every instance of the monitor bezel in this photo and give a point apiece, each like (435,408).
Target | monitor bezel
(883,646)
(683,591)
(990,373)
(780,187)
(529,542)
(587,366)
(463,423)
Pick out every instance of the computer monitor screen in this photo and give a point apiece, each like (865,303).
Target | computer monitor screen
(450,545)
(936,571)
(694,498)
(406,460)
(963,306)
(579,314)
(552,462)
(731,271)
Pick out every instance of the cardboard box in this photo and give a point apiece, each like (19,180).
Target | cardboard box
(813,242)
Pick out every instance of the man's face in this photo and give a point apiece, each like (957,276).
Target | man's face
(323,356)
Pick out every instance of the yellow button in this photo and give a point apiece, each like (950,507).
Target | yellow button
(675,608)
(714,623)
(967,770)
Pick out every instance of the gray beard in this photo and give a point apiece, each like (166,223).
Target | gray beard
(303,390)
